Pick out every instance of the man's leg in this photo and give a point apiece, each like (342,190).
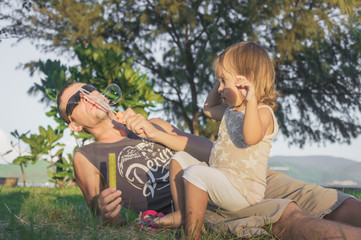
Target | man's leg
(349,212)
(294,224)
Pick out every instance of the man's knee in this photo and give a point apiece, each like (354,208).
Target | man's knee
(291,212)
(290,215)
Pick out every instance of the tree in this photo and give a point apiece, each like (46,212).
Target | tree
(43,145)
(315,46)
(22,160)
(98,67)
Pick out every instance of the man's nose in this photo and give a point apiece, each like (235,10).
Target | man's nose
(95,97)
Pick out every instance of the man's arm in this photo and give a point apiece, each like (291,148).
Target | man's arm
(105,203)
(163,132)
(213,106)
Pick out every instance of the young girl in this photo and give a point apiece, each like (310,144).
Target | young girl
(236,175)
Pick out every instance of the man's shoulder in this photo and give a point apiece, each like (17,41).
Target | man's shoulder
(86,146)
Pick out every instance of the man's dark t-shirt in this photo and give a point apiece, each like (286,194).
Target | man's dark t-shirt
(142,171)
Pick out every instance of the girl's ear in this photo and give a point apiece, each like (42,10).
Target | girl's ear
(75,127)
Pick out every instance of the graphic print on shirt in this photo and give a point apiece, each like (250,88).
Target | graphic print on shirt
(154,167)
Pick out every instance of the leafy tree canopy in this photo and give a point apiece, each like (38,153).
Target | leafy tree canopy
(315,46)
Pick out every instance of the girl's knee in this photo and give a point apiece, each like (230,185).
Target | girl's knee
(184,159)
(198,170)
(174,163)
(175,170)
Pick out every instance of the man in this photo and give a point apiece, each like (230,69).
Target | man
(143,149)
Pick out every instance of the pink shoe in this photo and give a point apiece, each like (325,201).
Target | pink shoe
(146,222)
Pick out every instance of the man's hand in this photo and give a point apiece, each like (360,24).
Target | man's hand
(138,124)
(109,203)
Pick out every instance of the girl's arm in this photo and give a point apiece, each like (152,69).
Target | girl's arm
(257,122)
(213,107)
(198,147)
(165,133)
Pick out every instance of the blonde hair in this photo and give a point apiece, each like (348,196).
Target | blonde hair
(252,61)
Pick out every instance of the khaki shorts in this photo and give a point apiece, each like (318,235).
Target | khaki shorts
(281,189)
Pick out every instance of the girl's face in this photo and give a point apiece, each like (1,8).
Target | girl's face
(228,90)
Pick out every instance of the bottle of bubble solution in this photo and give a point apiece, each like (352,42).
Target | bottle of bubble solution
(112,171)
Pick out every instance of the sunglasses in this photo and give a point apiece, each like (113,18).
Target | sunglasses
(76,99)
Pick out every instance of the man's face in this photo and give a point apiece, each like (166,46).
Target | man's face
(86,112)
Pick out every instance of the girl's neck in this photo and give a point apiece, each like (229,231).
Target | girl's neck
(240,107)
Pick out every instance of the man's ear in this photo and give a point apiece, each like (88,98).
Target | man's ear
(75,127)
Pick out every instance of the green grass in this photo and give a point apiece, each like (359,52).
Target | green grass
(355,193)
(54,213)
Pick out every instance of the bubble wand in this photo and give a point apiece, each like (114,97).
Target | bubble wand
(113,93)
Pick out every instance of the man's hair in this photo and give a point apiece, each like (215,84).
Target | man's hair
(62,112)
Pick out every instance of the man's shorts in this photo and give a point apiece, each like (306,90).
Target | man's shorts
(315,201)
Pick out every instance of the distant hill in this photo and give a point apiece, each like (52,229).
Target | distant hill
(34,173)
(320,170)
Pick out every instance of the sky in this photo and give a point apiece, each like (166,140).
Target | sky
(23,112)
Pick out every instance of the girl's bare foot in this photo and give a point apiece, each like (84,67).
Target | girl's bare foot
(170,220)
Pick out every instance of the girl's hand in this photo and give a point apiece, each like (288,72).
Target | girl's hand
(138,124)
(246,88)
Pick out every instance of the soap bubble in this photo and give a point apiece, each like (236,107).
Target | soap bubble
(113,93)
